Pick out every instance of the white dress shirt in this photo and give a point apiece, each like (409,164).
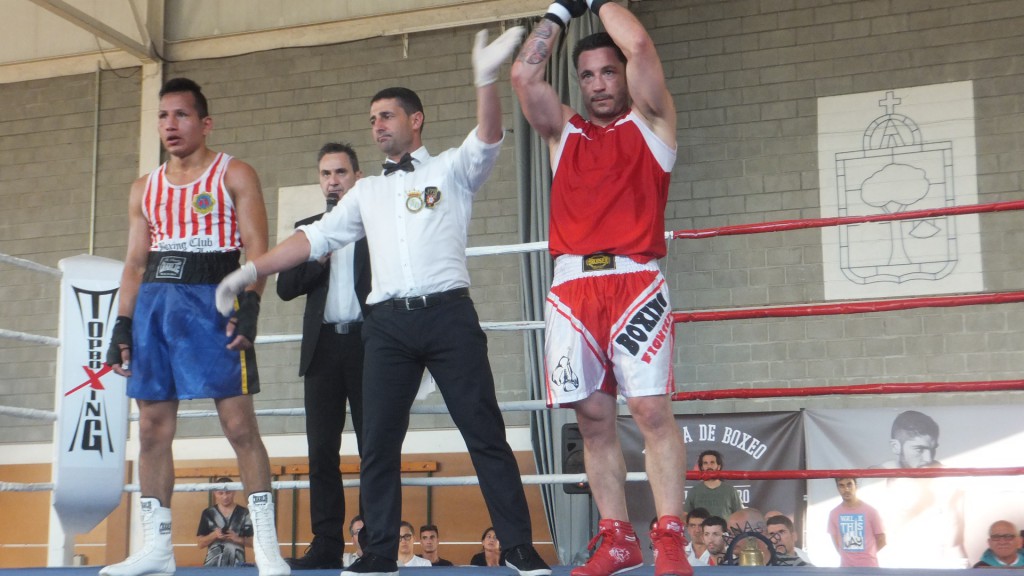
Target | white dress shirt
(694,560)
(417,237)
(342,305)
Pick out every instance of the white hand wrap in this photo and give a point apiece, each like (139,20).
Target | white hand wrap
(232,285)
(487,58)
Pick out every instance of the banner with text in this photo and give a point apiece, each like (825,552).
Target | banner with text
(92,407)
(747,441)
(928,523)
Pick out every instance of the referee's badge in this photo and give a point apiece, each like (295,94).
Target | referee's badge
(414,201)
(432,196)
(203,203)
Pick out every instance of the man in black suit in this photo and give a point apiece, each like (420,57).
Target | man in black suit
(331,360)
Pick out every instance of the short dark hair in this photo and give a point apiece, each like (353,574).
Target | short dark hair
(715,521)
(911,424)
(701,513)
(179,85)
(339,148)
(429,528)
(715,453)
(352,522)
(846,478)
(407,525)
(407,99)
(781,519)
(593,42)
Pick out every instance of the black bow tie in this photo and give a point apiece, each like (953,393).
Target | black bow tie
(405,165)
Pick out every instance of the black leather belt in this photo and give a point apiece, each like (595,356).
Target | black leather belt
(425,301)
(343,327)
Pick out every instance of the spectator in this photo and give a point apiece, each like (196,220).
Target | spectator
(713,533)
(405,544)
(331,359)
(1004,544)
(741,523)
(225,530)
(696,551)
(429,536)
(491,554)
(719,498)
(856,528)
(783,535)
(355,528)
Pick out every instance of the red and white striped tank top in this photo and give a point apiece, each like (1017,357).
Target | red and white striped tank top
(194,217)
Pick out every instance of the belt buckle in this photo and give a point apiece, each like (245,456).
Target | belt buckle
(415,302)
(598,261)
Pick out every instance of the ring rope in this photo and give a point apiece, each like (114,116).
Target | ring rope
(722,394)
(851,390)
(858,307)
(778,226)
(30,413)
(26,337)
(30,265)
(27,486)
(784,225)
(534,479)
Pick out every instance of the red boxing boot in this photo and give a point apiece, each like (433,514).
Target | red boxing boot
(619,550)
(669,552)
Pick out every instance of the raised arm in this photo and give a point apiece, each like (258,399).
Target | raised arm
(541,105)
(487,60)
(644,73)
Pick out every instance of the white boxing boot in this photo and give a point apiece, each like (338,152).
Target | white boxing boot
(156,557)
(264,541)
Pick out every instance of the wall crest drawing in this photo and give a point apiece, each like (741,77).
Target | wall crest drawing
(914,150)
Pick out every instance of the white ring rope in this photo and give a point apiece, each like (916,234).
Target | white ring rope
(27,486)
(26,337)
(30,413)
(354,483)
(30,265)
(515,406)
(507,249)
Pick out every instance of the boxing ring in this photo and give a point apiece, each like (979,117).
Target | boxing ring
(784,311)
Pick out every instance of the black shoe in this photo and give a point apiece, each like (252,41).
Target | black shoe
(525,560)
(317,557)
(372,565)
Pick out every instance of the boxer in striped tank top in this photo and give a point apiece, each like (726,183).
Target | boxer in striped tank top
(188,222)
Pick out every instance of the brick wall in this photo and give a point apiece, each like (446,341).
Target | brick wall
(746,75)
(46,148)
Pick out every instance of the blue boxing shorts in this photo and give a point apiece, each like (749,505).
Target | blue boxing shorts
(179,350)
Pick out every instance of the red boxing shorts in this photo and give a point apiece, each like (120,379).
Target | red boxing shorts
(607,329)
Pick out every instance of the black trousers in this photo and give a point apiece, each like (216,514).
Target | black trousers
(334,375)
(446,339)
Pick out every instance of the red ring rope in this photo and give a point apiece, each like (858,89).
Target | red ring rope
(852,390)
(860,307)
(852,473)
(783,225)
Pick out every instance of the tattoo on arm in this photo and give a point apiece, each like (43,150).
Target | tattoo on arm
(538,45)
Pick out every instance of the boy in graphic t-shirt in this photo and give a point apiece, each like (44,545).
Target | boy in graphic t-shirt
(856,528)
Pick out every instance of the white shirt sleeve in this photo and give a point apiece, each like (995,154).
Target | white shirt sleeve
(339,227)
